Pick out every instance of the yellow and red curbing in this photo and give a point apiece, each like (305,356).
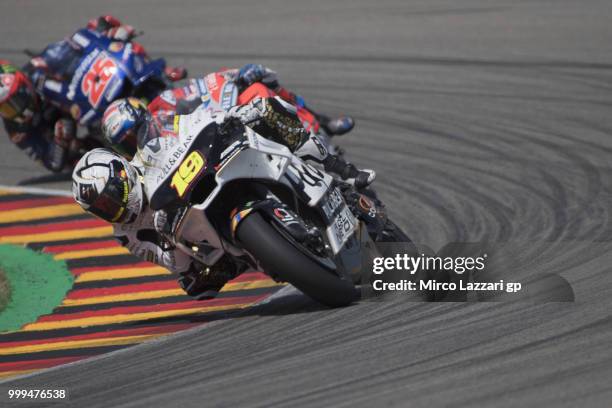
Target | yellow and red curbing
(116,300)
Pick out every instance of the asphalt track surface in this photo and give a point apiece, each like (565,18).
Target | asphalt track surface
(485,120)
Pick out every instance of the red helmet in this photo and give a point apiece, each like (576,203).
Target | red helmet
(17,96)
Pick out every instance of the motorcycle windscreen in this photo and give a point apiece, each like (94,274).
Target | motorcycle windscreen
(62,59)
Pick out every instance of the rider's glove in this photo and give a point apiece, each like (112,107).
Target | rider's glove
(250,113)
(251,73)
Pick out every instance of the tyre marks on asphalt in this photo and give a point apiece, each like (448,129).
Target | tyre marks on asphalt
(116,301)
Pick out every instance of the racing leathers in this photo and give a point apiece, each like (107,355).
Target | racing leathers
(147,238)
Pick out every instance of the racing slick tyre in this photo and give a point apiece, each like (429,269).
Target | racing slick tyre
(284,261)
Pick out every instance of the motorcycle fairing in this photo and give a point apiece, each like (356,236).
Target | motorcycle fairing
(225,156)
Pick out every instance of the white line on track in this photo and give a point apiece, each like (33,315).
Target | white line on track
(36,190)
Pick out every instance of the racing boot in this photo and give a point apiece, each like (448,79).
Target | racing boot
(175,74)
(360,178)
(206,283)
(336,126)
(332,126)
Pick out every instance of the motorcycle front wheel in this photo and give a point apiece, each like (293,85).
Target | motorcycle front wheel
(283,260)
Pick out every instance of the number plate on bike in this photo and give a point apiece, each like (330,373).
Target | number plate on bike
(341,229)
(333,202)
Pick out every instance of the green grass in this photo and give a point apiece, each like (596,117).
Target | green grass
(5,291)
(38,284)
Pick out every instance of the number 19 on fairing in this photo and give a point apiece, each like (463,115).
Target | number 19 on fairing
(187,172)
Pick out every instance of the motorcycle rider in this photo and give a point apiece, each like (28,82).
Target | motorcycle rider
(108,186)
(182,99)
(44,130)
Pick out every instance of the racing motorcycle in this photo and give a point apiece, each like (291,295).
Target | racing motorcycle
(251,198)
(93,71)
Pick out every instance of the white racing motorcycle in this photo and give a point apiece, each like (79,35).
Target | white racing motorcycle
(251,198)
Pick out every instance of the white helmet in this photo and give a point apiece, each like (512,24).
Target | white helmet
(107,185)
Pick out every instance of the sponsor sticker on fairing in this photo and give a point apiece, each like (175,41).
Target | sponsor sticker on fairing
(229,95)
(211,82)
(204,95)
(127,52)
(80,40)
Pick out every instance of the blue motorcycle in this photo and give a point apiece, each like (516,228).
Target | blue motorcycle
(94,70)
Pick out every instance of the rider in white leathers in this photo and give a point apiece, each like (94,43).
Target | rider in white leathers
(107,185)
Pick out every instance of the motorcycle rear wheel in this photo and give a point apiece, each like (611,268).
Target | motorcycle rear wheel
(283,260)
